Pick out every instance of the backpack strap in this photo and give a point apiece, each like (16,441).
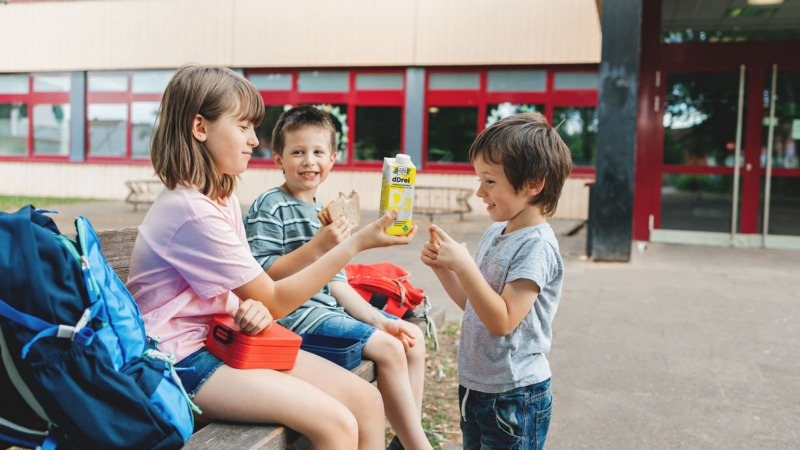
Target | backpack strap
(169,359)
(19,435)
(11,432)
(78,332)
(402,291)
(25,437)
(430,325)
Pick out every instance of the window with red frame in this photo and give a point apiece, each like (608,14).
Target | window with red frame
(575,114)
(461,103)
(366,107)
(35,115)
(121,112)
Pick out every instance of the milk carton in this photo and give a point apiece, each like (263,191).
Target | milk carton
(397,192)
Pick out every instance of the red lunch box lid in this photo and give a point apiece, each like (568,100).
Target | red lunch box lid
(275,349)
(224,331)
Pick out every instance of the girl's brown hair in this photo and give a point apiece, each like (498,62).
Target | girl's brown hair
(178,158)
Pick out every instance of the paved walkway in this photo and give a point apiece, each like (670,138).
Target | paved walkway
(683,348)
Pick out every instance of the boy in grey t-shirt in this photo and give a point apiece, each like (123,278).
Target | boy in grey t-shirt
(510,293)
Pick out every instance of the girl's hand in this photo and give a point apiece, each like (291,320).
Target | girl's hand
(374,235)
(331,235)
(451,254)
(399,329)
(252,317)
(430,251)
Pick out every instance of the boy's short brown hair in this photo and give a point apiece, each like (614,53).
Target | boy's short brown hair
(529,149)
(211,91)
(301,117)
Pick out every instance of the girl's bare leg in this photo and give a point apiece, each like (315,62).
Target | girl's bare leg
(268,396)
(357,395)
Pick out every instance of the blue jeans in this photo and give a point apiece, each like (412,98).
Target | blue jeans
(196,368)
(517,419)
(346,326)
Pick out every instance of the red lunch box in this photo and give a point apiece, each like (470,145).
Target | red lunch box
(275,349)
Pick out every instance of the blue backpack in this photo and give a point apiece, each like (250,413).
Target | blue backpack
(74,349)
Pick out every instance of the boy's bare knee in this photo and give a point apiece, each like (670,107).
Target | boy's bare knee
(419,335)
(386,350)
(417,351)
(393,349)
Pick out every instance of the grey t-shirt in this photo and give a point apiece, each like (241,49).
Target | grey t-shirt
(487,363)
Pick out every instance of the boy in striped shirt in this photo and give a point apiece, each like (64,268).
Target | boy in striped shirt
(285,236)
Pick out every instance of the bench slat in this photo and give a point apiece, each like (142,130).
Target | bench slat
(242,436)
(117,246)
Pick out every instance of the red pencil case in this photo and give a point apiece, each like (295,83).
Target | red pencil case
(276,349)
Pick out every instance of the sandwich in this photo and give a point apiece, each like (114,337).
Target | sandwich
(342,206)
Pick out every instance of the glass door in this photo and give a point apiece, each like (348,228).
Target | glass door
(703,136)
(780,202)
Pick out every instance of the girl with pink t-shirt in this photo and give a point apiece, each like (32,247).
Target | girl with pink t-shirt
(191,262)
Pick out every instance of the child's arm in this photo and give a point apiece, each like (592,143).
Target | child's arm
(500,313)
(355,305)
(328,237)
(446,277)
(284,296)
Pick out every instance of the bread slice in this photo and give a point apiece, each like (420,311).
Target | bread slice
(347,206)
(322,219)
(324,216)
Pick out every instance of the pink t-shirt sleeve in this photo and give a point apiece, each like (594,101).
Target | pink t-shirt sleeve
(210,256)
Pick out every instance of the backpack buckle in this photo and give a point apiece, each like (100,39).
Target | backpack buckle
(87,314)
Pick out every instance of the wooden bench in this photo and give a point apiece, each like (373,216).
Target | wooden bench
(143,191)
(117,246)
(430,201)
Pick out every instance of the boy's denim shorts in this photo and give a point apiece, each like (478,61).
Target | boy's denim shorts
(346,326)
(196,368)
(517,419)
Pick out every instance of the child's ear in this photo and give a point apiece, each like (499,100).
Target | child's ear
(534,187)
(199,128)
(278,160)
(333,156)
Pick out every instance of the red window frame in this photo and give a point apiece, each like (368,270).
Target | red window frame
(481,97)
(352,98)
(31,99)
(128,98)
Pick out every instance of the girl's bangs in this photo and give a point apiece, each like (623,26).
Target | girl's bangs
(250,105)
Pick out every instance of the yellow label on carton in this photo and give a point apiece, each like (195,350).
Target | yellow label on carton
(397,192)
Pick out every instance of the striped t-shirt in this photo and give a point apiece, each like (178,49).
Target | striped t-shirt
(277,224)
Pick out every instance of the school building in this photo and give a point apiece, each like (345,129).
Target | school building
(711,91)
